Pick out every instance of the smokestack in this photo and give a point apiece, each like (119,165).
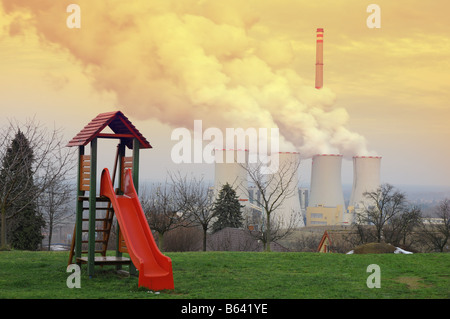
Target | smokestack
(326,187)
(289,213)
(319,58)
(230,168)
(366,178)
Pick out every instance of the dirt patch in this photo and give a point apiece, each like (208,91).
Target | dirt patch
(374,248)
(412,282)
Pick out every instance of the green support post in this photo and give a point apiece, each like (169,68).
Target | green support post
(135,173)
(136,164)
(120,175)
(92,208)
(79,212)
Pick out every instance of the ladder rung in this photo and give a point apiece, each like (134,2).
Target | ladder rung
(97,230)
(98,199)
(98,219)
(99,208)
(97,241)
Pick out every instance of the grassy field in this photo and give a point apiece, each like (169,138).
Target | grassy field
(236,275)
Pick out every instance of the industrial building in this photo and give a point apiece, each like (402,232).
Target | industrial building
(322,204)
(326,204)
(326,199)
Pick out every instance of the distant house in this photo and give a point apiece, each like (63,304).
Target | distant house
(237,239)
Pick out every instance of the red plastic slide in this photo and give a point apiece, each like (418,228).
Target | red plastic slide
(155,269)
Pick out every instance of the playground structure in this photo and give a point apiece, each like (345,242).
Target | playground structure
(134,236)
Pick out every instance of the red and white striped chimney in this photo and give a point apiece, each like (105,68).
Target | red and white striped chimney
(319,58)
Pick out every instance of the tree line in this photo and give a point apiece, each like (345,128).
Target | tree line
(389,217)
(189,202)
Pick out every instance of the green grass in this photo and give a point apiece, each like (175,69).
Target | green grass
(236,275)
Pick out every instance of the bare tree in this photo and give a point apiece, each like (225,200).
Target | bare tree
(274,189)
(196,201)
(437,234)
(162,210)
(50,160)
(389,214)
(54,204)
(400,227)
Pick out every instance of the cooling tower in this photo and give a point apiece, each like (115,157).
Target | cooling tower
(319,58)
(326,187)
(366,178)
(230,167)
(289,213)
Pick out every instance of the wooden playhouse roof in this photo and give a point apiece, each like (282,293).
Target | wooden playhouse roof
(118,123)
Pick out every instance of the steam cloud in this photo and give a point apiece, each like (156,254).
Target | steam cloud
(178,61)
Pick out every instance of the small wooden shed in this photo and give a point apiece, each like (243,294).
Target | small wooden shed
(325,243)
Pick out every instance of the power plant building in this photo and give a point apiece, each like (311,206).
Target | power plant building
(326,199)
(322,204)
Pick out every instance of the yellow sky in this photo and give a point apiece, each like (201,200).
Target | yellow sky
(172,61)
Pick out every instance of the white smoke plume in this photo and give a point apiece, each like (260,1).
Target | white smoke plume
(179,61)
